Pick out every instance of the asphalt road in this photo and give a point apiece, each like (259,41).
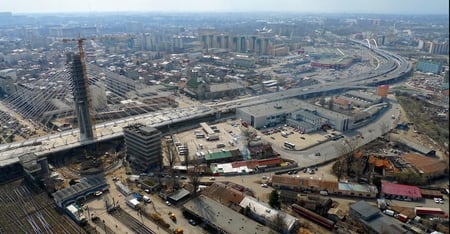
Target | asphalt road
(329,150)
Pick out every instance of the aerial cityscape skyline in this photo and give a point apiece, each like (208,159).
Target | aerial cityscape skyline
(420,7)
(225,117)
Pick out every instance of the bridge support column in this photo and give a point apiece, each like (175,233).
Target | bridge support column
(218,114)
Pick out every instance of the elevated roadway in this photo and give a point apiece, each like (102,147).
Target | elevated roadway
(392,69)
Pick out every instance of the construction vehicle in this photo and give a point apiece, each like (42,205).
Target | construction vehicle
(178,231)
(173,217)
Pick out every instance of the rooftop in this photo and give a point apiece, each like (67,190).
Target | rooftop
(179,194)
(425,164)
(365,210)
(223,217)
(264,210)
(79,189)
(218,155)
(356,187)
(401,190)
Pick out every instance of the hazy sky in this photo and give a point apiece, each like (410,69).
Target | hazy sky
(309,6)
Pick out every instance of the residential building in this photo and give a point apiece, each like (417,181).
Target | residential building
(428,66)
(439,48)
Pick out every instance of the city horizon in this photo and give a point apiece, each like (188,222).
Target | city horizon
(384,7)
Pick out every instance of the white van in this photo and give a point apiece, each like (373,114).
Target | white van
(389,212)
(146,199)
(323,193)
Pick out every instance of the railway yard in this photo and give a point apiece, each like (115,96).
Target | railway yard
(25,210)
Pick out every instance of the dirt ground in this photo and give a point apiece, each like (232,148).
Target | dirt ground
(419,138)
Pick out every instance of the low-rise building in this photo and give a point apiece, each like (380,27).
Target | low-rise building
(221,218)
(263,213)
(400,191)
(316,185)
(373,220)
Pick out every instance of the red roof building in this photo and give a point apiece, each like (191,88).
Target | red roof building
(400,191)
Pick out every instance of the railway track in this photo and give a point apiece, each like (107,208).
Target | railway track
(131,222)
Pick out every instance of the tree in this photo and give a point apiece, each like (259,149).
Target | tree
(278,222)
(358,166)
(171,155)
(411,177)
(72,182)
(322,101)
(346,150)
(377,182)
(338,169)
(194,177)
(247,211)
(331,104)
(274,199)
(248,133)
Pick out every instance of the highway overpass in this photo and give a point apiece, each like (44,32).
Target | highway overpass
(394,68)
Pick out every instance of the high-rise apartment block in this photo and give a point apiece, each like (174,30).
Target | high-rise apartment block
(143,148)
(439,48)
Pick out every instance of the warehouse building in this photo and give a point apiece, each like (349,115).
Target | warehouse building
(400,191)
(317,185)
(295,112)
(373,220)
(221,218)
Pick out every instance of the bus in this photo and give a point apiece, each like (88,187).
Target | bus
(289,145)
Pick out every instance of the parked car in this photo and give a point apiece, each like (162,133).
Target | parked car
(192,222)
(438,200)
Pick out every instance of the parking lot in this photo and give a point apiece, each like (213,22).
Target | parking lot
(228,138)
(282,134)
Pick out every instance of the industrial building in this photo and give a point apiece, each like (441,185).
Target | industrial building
(143,148)
(400,191)
(87,186)
(316,185)
(273,113)
(263,213)
(373,220)
(222,218)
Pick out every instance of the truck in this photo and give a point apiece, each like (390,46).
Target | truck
(389,212)
(402,218)
(133,203)
(212,137)
(429,211)
(173,217)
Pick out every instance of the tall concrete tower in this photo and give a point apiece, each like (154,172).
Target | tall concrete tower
(81,97)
